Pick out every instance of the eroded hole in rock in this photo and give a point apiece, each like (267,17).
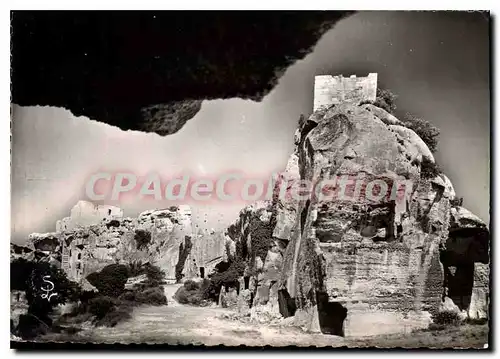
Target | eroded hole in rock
(331,315)
(303,216)
(202,272)
(286,304)
(460,284)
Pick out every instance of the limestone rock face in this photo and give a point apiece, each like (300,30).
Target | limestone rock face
(359,261)
(286,209)
(209,249)
(382,114)
(154,237)
(161,237)
(465,257)
(409,136)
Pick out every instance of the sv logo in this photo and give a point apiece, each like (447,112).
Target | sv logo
(47,295)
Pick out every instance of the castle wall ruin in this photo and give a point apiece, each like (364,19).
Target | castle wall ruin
(330,90)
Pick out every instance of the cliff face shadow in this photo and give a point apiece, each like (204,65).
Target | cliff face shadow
(286,304)
(331,315)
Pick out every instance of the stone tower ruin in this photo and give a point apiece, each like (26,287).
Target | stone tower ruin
(329,90)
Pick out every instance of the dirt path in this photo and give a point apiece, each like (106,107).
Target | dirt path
(181,324)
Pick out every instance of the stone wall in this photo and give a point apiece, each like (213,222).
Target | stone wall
(329,90)
(86,213)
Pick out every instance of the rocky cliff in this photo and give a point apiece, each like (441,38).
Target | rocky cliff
(160,237)
(351,260)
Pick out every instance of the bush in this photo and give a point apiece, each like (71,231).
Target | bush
(385,100)
(428,169)
(191,294)
(155,275)
(128,296)
(152,296)
(30,326)
(228,278)
(35,278)
(457,202)
(446,317)
(101,306)
(142,238)
(110,281)
(113,317)
(424,129)
(435,327)
(478,321)
(191,285)
(87,295)
(261,237)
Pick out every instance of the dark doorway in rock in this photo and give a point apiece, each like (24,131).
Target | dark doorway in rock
(286,304)
(331,315)
(460,280)
(247,282)
(303,216)
(202,272)
(399,230)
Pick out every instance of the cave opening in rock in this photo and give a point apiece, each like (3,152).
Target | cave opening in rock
(202,272)
(331,315)
(247,282)
(303,216)
(286,304)
(460,281)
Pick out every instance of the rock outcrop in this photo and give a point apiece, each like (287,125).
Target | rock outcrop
(378,249)
(96,236)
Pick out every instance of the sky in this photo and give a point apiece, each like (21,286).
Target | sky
(437,64)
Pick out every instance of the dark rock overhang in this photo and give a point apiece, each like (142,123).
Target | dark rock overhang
(149,71)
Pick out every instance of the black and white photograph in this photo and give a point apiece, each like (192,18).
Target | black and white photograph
(305,179)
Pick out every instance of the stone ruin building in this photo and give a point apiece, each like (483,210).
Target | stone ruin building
(330,90)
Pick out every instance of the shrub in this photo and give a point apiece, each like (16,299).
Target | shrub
(101,306)
(135,269)
(155,275)
(191,285)
(261,237)
(110,281)
(446,317)
(428,169)
(228,278)
(30,326)
(191,294)
(142,238)
(478,321)
(424,129)
(457,202)
(385,100)
(152,296)
(87,295)
(128,296)
(435,327)
(32,278)
(113,317)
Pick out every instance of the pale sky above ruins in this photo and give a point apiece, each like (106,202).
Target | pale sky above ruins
(437,63)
